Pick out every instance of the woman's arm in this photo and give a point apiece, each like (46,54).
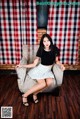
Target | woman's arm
(30,65)
(60,64)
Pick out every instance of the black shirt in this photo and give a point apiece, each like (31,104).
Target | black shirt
(48,57)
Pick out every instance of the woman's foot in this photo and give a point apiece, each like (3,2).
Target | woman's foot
(25,102)
(35,98)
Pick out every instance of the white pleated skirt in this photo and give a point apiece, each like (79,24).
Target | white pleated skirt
(41,72)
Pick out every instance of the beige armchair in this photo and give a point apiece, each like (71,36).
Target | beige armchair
(25,82)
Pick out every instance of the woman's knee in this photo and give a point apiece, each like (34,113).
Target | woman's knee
(42,82)
(49,81)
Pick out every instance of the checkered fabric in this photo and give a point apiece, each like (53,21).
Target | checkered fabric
(64,27)
(18,26)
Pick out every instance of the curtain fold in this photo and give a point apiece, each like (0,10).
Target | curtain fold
(18,26)
(64,27)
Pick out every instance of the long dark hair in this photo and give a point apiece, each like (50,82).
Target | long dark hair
(41,45)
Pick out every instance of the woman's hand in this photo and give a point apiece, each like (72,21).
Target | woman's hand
(19,66)
(62,67)
(60,64)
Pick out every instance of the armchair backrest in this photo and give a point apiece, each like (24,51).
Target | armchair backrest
(29,52)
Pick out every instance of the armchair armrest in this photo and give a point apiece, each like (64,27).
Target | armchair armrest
(58,73)
(21,72)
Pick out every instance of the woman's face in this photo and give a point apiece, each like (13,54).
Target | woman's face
(46,42)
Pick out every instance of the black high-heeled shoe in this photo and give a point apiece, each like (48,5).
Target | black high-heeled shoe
(35,98)
(25,102)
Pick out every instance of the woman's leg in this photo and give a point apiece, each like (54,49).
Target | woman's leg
(41,84)
(48,82)
(38,91)
(35,93)
(38,88)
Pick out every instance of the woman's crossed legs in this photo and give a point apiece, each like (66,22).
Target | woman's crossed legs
(41,85)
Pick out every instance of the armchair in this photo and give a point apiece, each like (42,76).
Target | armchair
(25,82)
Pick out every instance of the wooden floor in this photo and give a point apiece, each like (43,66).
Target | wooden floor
(64,106)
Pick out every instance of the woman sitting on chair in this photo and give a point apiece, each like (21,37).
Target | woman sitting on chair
(48,54)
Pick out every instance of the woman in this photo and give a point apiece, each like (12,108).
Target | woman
(48,54)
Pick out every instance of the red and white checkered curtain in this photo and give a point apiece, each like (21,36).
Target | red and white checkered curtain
(18,26)
(64,27)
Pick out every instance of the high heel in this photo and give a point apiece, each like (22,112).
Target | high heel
(25,102)
(35,98)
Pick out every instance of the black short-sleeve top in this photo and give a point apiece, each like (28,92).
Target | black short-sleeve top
(48,57)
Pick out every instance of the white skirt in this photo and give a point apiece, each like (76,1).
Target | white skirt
(41,72)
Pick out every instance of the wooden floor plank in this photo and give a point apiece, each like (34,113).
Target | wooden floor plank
(64,106)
